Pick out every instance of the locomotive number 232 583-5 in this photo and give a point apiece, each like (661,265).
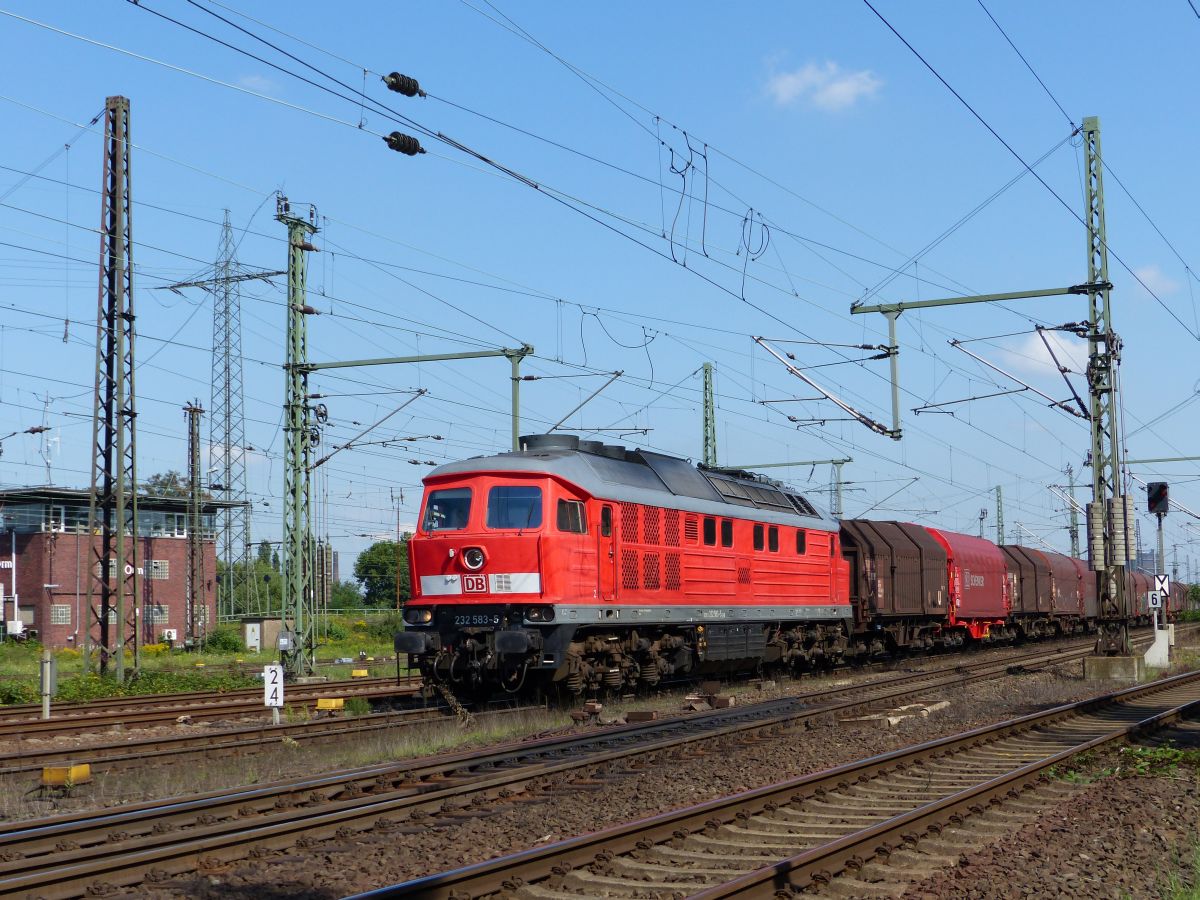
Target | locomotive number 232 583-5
(478,619)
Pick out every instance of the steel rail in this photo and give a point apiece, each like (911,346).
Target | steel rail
(61,857)
(571,860)
(130,753)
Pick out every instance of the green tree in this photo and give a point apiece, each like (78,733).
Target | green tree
(165,484)
(345,595)
(264,552)
(376,571)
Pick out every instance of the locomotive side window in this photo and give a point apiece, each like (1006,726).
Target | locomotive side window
(726,532)
(801,542)
(514,506)
(606,521)
(447,510)
(758,537)
(773,539)
(710,531)
(571,517)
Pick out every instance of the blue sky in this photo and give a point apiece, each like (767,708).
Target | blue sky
(703,175)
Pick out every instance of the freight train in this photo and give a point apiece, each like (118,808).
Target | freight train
(587,566)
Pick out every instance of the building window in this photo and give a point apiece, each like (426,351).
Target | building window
(710,531)
(773,539)
(571,517)
(179,523)
(158,569)
(60,614)
(726,532)
(56,519)
(160,614)
(801,541)
(758,537)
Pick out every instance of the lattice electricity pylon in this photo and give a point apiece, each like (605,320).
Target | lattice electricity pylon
(114,594)
(194,585)
(227,447)
(710,418)
(1110,513)
(299,437)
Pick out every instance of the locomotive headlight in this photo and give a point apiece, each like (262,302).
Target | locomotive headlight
(473,558)
(540,614)
(417,616)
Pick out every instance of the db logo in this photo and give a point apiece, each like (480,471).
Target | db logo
(475,584)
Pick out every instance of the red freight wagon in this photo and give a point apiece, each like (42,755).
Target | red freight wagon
(1087,587)
(1065,587)
(1031,573)
(978,582)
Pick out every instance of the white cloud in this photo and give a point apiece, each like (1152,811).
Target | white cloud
(259,83)
(1156,279)
(826,86)
(1031,360)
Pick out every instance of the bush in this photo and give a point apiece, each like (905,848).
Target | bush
(14,691)
(225,639)
(155,649)
(336,631)
(385,627)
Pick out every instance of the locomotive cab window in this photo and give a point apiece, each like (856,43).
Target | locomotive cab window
(710,531)
(571,517)
(726,532)
(773,539)
(447,510)
(758,537)
(514,506)
(606,521)
(801,542)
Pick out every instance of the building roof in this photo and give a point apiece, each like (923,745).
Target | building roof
(52,494)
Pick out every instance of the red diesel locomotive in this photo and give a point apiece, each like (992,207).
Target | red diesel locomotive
(590,566)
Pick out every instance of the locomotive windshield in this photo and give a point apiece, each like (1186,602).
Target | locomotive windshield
(514,506)
(447,510)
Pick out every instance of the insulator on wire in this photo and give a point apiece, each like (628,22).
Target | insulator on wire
(404,143)
(402,84)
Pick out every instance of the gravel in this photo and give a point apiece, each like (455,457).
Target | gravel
(385,855)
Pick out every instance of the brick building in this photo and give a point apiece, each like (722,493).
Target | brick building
(45,559)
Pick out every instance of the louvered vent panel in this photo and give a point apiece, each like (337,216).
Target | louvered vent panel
(651,517)
(691,529)
(651,575)
(671,528)
(629,523)
(629,570)
(673,581)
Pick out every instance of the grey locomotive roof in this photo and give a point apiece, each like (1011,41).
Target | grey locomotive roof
(644,477)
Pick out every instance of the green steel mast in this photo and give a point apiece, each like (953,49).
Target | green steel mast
(297,558)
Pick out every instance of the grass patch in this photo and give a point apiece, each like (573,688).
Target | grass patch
(1156,762)
(1185,886)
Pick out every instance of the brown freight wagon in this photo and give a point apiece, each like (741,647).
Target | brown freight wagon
(898,580)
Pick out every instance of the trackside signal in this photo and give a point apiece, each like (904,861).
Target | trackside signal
(1158,497)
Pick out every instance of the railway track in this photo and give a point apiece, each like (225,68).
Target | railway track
(224,743)
(848,831)
(71,855)
(21,722)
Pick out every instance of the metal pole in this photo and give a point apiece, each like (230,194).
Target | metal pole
(709,449)
(47,663)
(1074,512)
(999,515)
(515,359)
(297,556)
(837,477)
(1161,562)
(894,362)
(1108,513)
